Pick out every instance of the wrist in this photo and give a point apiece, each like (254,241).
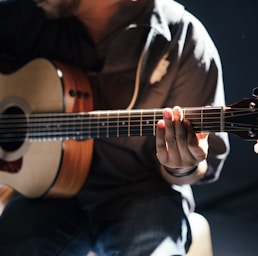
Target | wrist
(180,172)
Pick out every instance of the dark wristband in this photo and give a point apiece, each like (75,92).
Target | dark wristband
(180,175)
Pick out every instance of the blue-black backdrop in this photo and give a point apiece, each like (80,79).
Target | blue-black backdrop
(231,204)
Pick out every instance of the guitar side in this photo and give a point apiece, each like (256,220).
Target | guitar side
(46,168)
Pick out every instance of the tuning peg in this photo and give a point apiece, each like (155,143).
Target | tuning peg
(255,92)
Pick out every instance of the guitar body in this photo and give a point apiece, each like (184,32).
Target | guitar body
(55,168)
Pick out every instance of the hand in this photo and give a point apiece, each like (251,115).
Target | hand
(177,144)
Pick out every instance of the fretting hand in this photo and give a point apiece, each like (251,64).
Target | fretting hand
(179,149)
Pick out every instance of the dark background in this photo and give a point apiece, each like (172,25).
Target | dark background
(231,204)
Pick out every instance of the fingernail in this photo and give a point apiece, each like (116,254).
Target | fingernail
(167,114)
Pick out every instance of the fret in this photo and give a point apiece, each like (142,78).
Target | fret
(108,119)
(70,125)
(141,123)
(222,123)
(97,121)
(123,124)
(129,124)
(82,135)
(30,131)
(154,122)
(63,127)
(66,128)
(99,124)
(211,119)
(34,130)
(46,129)
(89,128)
(112,124)
(117,130)
(204,119)
(54,128)
(83,126)
(30,128)
(102,126)
(148,123)
(135,128)
(94,124)
(76,132)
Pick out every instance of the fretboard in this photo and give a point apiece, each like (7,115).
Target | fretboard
(118,123)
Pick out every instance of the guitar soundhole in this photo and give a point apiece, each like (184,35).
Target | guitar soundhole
(13,129)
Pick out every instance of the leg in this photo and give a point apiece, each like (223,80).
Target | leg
(151,224)
(43,227)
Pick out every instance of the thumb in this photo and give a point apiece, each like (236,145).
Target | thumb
(203,141)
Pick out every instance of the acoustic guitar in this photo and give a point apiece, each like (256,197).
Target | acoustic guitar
(48,126)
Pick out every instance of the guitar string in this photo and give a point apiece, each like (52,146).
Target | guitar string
(119,115)
(71,129)
(63,128)
(86,136)
(103,133)
(22,127)
(97,134)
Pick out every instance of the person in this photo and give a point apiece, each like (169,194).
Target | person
(137,54)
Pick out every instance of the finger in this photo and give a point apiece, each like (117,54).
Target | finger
(197,143)
(161,147)
(170,136)
(181,132)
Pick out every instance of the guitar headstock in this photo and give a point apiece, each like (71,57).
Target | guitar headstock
(241,118)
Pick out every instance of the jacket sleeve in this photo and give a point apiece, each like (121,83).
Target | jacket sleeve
(197,81)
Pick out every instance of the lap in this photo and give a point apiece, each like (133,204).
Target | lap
(142,224)
(137,224)
(42,227)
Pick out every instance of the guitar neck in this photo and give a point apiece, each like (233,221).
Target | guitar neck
(116,123)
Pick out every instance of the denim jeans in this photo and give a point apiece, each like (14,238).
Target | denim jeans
(147,224)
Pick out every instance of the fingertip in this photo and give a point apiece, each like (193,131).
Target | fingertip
(167,114)
(161,124)
(178,113)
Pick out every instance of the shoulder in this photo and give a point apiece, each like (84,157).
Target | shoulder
(170,10)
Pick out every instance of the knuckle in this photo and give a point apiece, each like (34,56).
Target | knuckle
(160,146)
(182,137)
(171,140)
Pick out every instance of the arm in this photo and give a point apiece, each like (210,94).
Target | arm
(198,82)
